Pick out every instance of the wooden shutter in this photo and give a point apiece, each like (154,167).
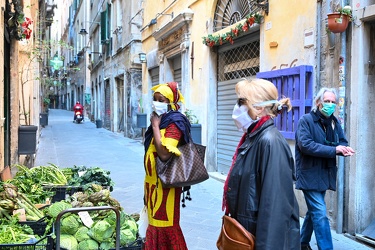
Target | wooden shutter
(103,27)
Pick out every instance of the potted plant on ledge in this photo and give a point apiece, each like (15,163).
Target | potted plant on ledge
(141,116)
(339,20)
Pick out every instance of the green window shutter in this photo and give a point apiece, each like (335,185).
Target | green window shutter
(108,21)
(103,27)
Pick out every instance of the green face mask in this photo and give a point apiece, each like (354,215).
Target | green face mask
(328,108)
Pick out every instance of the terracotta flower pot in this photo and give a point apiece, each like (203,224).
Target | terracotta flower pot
(337,22)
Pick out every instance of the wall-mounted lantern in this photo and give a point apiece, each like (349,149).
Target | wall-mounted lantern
(142,57)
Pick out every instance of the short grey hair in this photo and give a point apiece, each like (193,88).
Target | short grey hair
(319,97)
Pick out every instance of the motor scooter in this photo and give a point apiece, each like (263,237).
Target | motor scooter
(78,115)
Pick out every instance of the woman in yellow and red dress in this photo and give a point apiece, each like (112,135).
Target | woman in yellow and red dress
(169,128)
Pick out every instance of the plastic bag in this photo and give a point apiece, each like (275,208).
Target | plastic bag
(143,222)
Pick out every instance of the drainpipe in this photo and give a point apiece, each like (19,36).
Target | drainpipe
(330,35)
(341,161)
(318,42)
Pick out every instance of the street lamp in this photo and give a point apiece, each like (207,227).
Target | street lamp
(142,57)
(83,32)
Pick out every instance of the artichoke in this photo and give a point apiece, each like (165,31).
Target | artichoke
(10,191)
(87,204)
(102,195)
(80,196)
(135,216)
(114,203)
(96,187)
(76,204)
(7,204)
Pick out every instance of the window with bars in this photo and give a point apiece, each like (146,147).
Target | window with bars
(239,62)
(297,84)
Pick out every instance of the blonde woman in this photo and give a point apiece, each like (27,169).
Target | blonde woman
(258,191)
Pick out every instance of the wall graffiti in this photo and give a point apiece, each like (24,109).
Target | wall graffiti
(285,65)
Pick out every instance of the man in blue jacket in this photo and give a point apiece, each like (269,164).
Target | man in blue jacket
(319,139)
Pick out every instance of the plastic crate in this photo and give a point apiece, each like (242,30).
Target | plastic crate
(45,243)
(136,245)
(39,227)
(62,192)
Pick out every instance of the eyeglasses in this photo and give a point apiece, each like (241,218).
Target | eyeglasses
(241,101)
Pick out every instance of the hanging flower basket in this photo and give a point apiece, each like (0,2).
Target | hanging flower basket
(19,26)
(241,28)
(338,22)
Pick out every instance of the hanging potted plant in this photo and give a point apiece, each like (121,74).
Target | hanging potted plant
(339,20)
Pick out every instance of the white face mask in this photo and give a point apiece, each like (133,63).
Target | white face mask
(159,107)
(241,117)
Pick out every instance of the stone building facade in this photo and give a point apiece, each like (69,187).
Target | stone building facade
(106,42)
(206,48)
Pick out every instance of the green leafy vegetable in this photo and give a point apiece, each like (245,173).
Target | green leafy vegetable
(12,199)
(11,232)
(107,245)
(101,231)
(127,237)
(81,234)
(49,175)
(83,176)
(88,245)
(132,225)
(70,224)
(30,184)
(57,208)
(68,242)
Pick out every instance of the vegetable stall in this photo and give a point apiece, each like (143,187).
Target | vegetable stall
(69,208)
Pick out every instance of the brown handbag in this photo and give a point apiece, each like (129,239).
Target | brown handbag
(234,236)
(184,170)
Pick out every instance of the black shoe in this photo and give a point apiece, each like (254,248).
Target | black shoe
(306,247)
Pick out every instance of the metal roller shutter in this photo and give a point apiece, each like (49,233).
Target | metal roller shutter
(227,133)
(177,72)
(154,74)
(235,62)
(107,115)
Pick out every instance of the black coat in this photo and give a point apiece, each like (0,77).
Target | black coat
(312,154)
(260,189)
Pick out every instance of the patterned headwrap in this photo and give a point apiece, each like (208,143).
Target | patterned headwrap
(171,92)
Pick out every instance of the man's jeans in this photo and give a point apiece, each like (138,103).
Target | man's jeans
(316,220)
